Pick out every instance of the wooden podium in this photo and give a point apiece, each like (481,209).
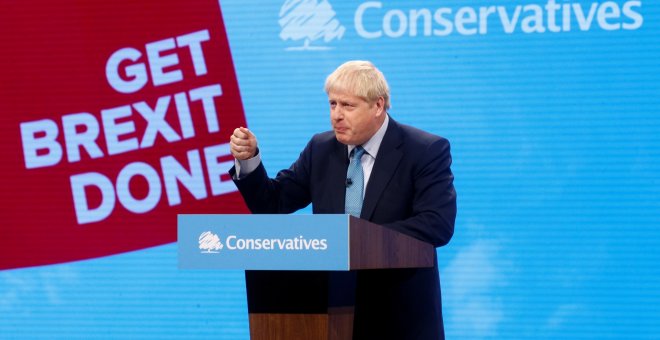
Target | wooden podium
(308,304)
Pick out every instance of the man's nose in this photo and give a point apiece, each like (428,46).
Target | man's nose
(336,114)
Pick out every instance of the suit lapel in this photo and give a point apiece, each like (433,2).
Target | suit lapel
(387,161)
(337,172)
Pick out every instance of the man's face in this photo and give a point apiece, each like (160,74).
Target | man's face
(353,119)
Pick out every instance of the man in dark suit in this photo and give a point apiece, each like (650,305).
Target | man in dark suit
(373,167)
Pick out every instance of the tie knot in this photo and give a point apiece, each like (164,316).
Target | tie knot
(358,152)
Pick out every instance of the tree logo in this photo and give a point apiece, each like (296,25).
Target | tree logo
(209,242)
(309,21)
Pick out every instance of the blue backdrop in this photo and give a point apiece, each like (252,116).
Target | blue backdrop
(556,148)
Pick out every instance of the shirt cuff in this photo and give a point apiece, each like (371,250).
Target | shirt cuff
(247,166)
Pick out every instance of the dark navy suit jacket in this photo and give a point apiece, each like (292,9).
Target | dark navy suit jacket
(410,190)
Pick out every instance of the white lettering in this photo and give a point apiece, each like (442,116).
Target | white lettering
(161,55)
(229,244)
(484,12)
(185,120)
(509,24)
(438,16)
(632,14)
(402,23)
(194,43)
(414,16)
(585,23)
(158,62)
(154,188)
(174,172)
(218,170)
(137,73)
(609,10)
(86,139)
(359,25)
(85,214)
(40,135)
(113,130)
(144,195)
(534,22)
(533,18)
(206,95)
(464,16)
(552,7)
(566,17)
(156,122)
(233,242)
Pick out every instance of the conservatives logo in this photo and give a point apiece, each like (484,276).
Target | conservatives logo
(211,243)
(308,21)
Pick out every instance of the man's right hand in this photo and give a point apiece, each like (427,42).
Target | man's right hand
(243,144)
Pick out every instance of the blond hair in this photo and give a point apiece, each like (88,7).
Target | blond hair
(360,78)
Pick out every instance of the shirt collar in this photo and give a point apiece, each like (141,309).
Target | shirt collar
(373,144)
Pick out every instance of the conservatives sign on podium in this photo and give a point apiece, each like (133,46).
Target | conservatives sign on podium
(263,242)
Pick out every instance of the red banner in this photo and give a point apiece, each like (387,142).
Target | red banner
(114,118)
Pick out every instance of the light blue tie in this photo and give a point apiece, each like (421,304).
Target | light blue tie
(355,183)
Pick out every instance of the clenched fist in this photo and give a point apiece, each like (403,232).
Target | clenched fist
(243,144)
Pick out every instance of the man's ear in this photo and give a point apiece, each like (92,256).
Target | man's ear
(380,106)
